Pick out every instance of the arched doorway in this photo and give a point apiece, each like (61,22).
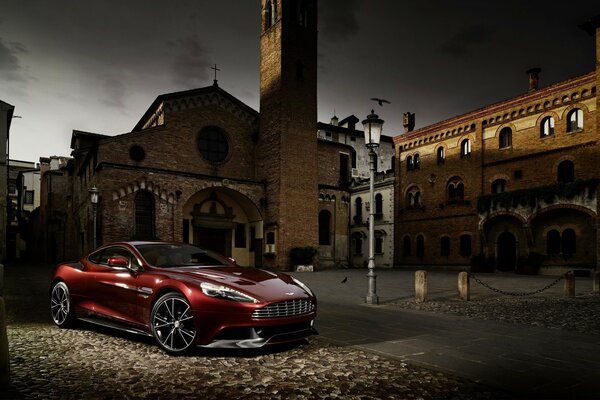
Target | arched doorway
(226,221)
(506,252)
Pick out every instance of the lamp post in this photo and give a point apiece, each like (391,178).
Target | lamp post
(372,127)
(94,199)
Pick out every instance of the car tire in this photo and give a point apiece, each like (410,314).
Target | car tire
(61,308)
(172,324)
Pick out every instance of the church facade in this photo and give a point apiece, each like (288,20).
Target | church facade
(511,186)
(202,167)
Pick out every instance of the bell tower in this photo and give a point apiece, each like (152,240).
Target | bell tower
(287,141)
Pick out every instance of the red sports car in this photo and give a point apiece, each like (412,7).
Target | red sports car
(182,295)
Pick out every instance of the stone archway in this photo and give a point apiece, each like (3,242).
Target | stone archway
(226,221)
(506,252)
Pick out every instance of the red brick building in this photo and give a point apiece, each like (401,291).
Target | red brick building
(202,167)
(515,183)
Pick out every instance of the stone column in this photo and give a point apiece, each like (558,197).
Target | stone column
(570,284)
(464,286)
(421,286)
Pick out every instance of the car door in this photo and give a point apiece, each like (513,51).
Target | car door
(115,289)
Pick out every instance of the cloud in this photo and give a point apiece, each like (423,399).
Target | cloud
(191,63)
(337,19)
(462,43)
(114,92)
(10,65)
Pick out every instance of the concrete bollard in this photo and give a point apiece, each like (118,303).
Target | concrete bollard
(596,281)
(4,360)
(464,286)
(570,284)
(421,286)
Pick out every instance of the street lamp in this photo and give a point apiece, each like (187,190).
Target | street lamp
(94,199)
(372,127)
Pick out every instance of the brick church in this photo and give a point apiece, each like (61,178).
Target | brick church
(202,167)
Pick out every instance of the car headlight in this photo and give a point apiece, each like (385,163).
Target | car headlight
(303,286)
(225,292)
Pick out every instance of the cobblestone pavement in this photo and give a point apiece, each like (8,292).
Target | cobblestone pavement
(574,314)
(96,363)
(58,364)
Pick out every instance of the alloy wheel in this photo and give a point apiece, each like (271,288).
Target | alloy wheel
(60,305)
(173,323)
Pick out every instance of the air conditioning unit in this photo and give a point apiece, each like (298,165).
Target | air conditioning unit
(355,172)
(269,248)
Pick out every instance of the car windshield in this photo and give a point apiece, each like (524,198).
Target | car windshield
(173,255)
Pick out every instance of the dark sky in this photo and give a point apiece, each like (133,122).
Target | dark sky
(97,65)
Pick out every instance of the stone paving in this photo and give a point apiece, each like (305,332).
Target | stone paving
(49,363)
(578,314)
(96,363)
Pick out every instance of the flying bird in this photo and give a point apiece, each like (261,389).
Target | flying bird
(380,101)
(344,280)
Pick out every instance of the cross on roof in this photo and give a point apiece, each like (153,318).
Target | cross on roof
(215,69)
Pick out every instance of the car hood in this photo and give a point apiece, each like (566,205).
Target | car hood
(266,285)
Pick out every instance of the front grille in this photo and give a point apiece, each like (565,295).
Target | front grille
(284,309)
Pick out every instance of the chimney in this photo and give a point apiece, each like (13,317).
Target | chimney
(534,77)
(408,121)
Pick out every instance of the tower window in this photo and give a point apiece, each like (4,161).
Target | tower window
(379,204)
(417,161)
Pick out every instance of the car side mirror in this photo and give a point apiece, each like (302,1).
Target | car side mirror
(118,262)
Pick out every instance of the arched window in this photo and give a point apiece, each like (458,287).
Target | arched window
(547,128)
(144,216)
(465,148)
(456,190)
(324,228)
(445,246)
(406,245)
(566,171)
(575,120)
(420,246)
(378,204)
(441,156)
(358,211)
(499,186)
(552,242)
(505,140)
(465,245)
(416,161)
(569,242)
(413,197)
(409,163)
